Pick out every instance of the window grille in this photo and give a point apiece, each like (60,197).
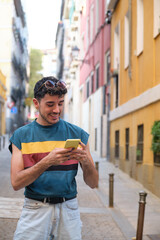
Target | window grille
(127,143)
(117,144)
(139,152)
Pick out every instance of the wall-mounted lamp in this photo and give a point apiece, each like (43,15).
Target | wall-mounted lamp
(108,16)
(75,53)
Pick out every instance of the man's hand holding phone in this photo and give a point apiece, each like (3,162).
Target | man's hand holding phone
(60,155)
(78,152)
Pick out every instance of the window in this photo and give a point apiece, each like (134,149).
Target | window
(82,44)
(107,67)
(139,152)
(116,90)
(117,144)
(126,40)
(127,143)
(95,139)
(87,35)
(92,82)
(155,146)
(156,15)
(140,26)
(87,88)
(97,77)
(91,23)
(116,47)
(104,100)
(97,15)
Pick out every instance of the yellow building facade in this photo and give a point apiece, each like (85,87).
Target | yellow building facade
(135,88)
(6,9)
(2,103)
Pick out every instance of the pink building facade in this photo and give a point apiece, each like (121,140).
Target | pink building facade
(95,73)
(98,45)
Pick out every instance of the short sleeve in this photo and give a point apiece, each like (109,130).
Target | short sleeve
(15,139)
(84,137)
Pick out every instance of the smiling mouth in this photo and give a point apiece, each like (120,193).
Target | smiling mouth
(54,116)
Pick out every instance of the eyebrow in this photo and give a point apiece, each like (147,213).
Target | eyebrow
(54,102)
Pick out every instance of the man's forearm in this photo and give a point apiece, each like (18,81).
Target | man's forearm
(90,175)
(27,176)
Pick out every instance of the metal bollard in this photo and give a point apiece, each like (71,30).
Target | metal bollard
(111,189)
(0,144)
(4,141)
(97,166)
(142,202)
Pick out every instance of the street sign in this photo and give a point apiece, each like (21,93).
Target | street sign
(14,110)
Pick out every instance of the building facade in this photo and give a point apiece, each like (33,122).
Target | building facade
(14,60)
(95,74)
(71,21)
(87,64)
(135,88)
(2,103)
(49,62)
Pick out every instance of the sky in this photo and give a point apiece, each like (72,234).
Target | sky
(42,18)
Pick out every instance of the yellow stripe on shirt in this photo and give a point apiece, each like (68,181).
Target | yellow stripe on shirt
(41,147)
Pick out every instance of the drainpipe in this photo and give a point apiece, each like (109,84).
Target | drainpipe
(130,40)
(108,123)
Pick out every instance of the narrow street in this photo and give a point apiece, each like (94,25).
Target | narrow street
(99,221)
(104,53)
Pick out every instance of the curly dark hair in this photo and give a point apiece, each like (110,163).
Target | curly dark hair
(40,90)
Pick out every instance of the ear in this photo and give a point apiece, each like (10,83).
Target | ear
(36,103)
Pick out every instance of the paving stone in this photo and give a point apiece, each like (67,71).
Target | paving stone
(100,227)
(7,228)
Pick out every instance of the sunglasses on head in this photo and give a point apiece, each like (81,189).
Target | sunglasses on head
(49,84)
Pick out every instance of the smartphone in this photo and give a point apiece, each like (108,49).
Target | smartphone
(72,143)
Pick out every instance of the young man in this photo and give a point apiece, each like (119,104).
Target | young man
(47,170)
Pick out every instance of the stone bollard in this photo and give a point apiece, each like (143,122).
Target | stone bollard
(111,189)
(142,202)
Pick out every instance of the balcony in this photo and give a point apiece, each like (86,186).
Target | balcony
(19,68)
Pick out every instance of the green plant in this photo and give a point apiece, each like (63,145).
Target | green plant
(138,153)
(156,137)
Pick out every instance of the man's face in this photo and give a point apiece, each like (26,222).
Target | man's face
(50,108)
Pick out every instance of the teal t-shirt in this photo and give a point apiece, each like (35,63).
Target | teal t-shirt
(36,141)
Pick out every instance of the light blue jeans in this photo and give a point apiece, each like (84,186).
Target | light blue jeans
(44,221)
